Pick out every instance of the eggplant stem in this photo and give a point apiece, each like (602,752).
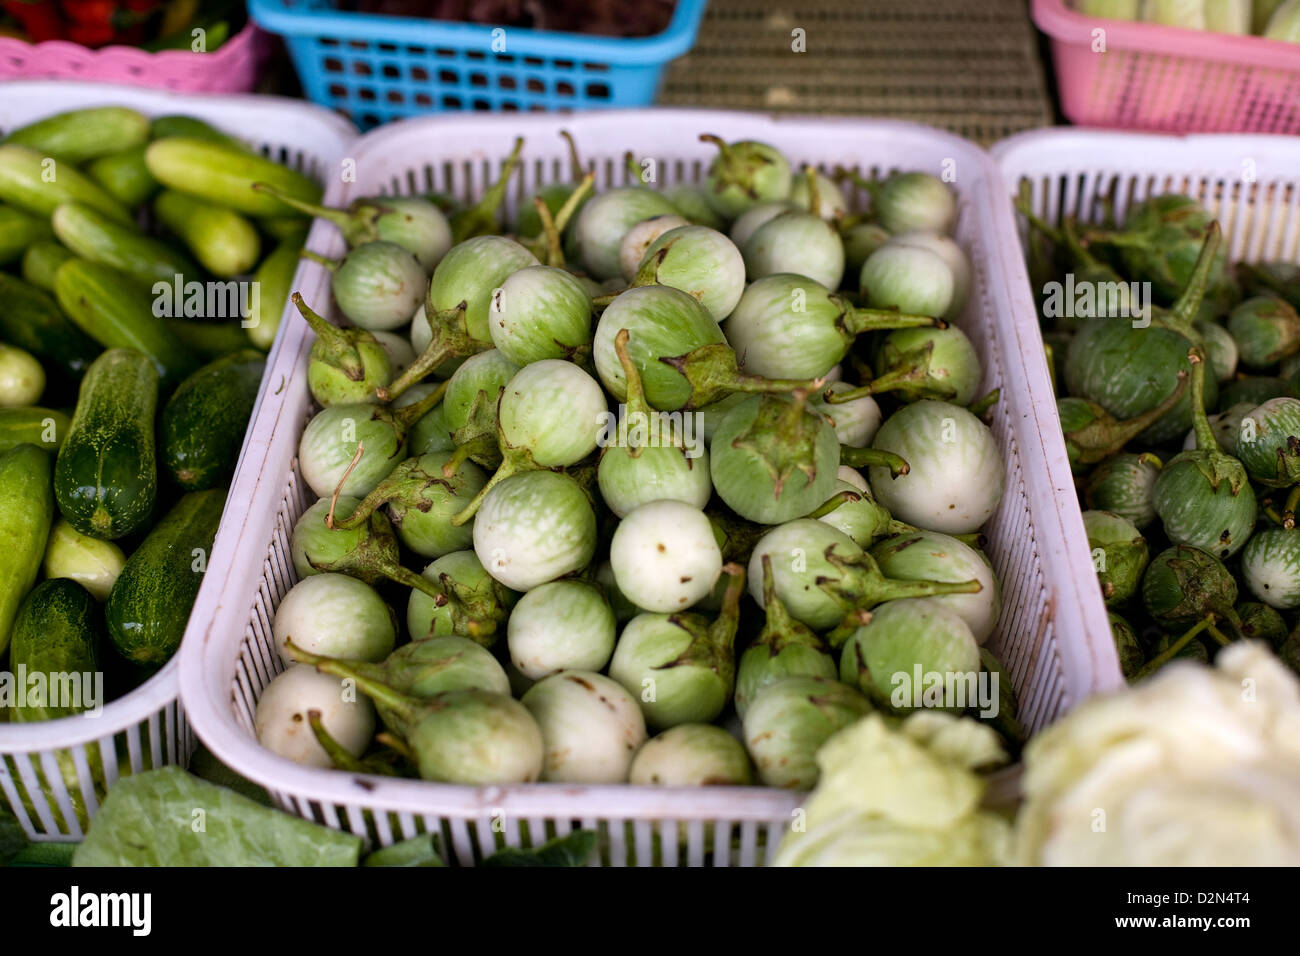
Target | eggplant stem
(513,461)
(338,489)
(339,217)
(408,415)
(449,341)
(376,690)
(570,206)
(316,257)
(396,743)
(871,457)
(1292,502)
(858,320)
(814,195)
(981,407)
(1188,303)
(1170,652)
(834,502)
(338,755)
(575,164)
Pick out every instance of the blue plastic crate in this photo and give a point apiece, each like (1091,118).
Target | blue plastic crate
(376,68)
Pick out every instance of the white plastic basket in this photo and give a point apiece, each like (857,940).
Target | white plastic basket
(1250,182)
(147,727)
(1056,645)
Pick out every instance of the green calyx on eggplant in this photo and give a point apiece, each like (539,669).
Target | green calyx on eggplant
(938,363)
(413,223)
(421,501)
(1125,485)
(468,602)
(1184,585)
(787,324)
(1266,330)
(349,449)
(784,648)
(451,339)
(1127,647)
(772,460)
(1129,368)
(647,459)
(1204,497)
(1119,555)
(1160,242)
(1268,442)
(368,552)
(679,350)
(1259,622)
(1092,435)
(744,174)
(345,366)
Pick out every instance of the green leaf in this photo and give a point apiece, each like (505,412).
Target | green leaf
(169,818)
(572,850)
(417,851)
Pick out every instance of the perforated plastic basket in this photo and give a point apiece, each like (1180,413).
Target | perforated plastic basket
(1055,643)
(376,68)
(46,768)
(1251,183)
(1166,78)
(232,68)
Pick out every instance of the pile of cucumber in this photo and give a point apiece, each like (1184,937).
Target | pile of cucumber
(124,398)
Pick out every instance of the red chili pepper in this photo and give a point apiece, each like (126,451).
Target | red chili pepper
(39,18)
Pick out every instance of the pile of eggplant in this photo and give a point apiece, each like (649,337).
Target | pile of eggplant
(1179,377)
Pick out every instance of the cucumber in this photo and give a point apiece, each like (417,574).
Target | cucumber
(119,313)
(18,230)
(209,340)
(105,477)
(26,513)
(224,175)
(291,229)
(39,184)
(80,135)
(150,604)
(191,128)
(224,241)
(273,279)
(92,563)
(22,379)
(90,234)
(54,635)
(124,176)
(42,259)
(45,427)
(202,426)
(32,320)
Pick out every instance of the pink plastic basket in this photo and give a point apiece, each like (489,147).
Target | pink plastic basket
(232,68)
(1166,78)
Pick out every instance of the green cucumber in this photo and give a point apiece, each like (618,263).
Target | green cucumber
(80,135)
(224,241)
(32,425)
(202,426)
(223,174)
(91,235)
(32,320)
(18,230)
(273,279)
(150,604)
(26,513)
(40,184)
(286,229)
(191,128)
(209,340)
(119,313)
(124,176)
(54,635)
(92,563)
(42,259)
(105,477)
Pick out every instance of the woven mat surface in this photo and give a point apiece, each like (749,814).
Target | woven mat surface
(971,66)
